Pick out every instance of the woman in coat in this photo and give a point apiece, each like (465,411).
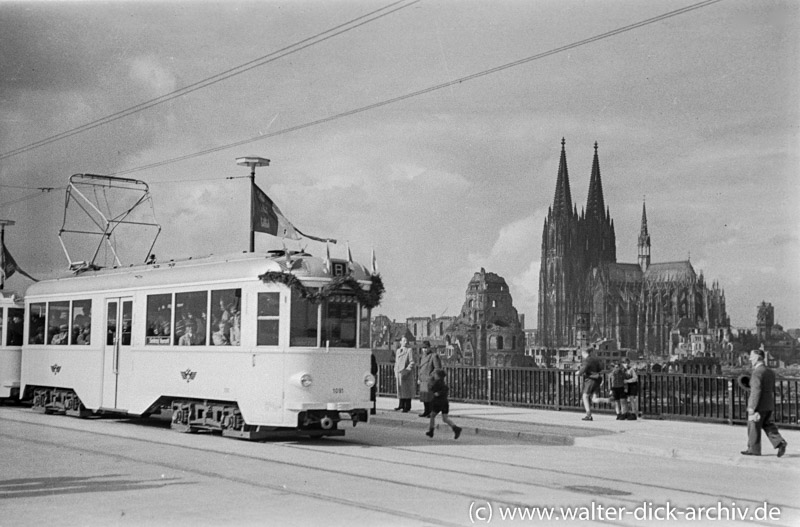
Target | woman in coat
(403,372)
(429,362)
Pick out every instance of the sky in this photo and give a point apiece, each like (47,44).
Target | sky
(372,142)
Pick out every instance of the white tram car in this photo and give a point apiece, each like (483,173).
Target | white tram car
(12,315)
(252,345)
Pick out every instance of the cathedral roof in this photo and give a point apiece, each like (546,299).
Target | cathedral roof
(671,272)
(622,272)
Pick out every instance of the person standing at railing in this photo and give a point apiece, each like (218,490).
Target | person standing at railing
(617,378)
(590,372)
(760,406)
(428,363)
(403,372)
(632,389)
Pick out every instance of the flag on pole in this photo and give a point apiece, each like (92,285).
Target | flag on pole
(8,266)
(266,217)
(374,263)
(327,262)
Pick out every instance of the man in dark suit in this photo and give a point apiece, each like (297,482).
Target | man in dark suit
(760,406)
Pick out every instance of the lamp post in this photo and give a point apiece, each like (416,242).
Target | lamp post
(3,224)
(252,162)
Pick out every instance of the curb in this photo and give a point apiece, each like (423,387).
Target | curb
(533,437)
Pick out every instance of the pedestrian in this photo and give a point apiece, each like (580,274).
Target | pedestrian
(428,363)
(440,404)
(617,378)
(632,389)
(760,406)
(590,373)
(403,372)
(373,392)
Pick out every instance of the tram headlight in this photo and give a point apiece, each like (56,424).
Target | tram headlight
(302,379)
(369,380)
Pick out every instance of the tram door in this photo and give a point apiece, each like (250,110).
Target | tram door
(117,347)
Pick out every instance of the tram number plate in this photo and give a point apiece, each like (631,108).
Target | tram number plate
(338,390)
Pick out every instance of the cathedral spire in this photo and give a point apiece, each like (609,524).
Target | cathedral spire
(595,204)
(644,241)
(562,202)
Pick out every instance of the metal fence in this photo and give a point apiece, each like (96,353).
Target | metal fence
(711,398)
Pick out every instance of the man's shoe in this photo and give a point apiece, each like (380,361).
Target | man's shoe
(398,408)
(429,433)
(632,417)
(782,449)
(424,415)
(620,417)
(587,418)
(457,432)
(748,453)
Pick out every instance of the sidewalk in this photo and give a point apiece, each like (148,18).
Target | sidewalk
(686,440)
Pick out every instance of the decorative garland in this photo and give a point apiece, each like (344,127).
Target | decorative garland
(369,299)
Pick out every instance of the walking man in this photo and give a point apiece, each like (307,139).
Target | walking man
(428,363)
(760,406)
(590,372)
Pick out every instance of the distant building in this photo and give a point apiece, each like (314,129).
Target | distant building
(636,304)
(782,345)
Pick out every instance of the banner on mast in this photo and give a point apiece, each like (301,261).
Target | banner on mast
(8,266)
(266,217)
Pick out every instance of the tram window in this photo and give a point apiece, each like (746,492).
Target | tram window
(366,321)
(36,323)
(58,323)
(111,324)
(226,317)
(159,319)
(81,322)
(303,322)
(339,314)
(269,310)
(191,318)
(127,319)
(14,329)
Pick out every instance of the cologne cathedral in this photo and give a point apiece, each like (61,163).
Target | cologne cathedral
(586,295)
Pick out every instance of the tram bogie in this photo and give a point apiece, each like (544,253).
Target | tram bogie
(244,345)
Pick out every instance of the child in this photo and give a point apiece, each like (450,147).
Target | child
(439,389)
(618,391)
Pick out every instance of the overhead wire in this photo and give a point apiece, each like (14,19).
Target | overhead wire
(430,89)
(208,81)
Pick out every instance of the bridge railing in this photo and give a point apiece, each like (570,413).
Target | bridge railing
(710,398)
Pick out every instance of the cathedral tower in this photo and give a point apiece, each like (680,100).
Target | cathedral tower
(562,263)
(644,242)
(601,244)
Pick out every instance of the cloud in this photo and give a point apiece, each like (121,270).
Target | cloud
(148,72)
(515,238)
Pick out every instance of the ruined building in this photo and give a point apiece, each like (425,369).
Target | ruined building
(488,331)
(584,292)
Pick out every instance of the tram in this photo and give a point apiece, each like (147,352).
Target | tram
(12,313)
(251,345)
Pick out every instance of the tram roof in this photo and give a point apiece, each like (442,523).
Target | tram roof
(209,269)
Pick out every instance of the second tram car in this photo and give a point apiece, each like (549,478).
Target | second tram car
(250,344)
(12,314)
